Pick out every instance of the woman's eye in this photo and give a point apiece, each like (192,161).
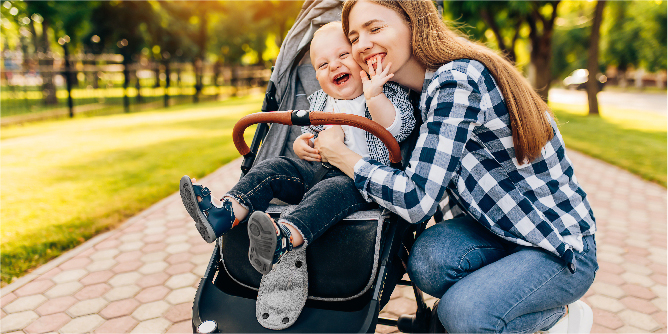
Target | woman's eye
(353,40)
(375,29)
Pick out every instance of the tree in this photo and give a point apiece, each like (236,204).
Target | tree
(592,63)
(506,24)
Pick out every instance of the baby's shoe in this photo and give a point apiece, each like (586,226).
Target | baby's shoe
(266,245)
(211,221)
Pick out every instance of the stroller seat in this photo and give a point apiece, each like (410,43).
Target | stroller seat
(347,266)
(342,263)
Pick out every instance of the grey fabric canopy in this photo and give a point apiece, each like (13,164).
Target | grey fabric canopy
(294,76)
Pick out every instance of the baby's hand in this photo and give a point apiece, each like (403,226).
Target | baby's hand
(304,148)
(374,86)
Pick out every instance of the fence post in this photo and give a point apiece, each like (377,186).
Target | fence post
(68,80)
(126,83)
(167,81)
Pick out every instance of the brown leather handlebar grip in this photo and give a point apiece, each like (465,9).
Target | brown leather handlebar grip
(316,118)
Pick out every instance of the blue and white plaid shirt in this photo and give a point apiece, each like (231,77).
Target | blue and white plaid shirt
(464,160)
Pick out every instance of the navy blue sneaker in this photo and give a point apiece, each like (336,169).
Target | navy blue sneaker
(210,220)
(266,246)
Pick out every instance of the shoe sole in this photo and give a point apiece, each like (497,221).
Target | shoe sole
(189,200)
(262,235)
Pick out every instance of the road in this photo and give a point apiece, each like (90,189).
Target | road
(653,102)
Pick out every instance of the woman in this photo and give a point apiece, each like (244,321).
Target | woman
(520,251)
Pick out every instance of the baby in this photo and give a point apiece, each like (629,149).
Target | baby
(345,88)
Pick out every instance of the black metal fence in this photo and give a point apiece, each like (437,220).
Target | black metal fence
(44,86)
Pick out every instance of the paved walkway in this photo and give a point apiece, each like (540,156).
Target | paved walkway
(142,277)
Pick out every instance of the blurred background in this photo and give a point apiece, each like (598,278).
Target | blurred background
(61,58)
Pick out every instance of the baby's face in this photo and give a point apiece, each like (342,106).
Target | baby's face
(336,70)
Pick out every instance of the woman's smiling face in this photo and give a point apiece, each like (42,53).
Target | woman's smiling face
(375,30)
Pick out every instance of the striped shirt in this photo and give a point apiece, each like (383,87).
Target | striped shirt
(464,161)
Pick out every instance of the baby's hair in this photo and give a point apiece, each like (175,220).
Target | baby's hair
(331,25)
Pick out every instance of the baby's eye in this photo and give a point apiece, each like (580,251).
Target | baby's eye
(322,65)
(343,55)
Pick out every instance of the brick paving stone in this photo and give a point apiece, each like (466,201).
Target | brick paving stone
(85,254)
(128,246)
(157,325)
(16,321)
(69,275)
(201,258)
(657,268)
(92,291)
(639,291)
(659,289)
(150,310)
(119,308)
(637,279)
(178,248)
(152,280)
(607,290)
(200,270)
(127,266)
(99,265)
(34,288)
(153,257)
(605,303)
(178,258)
(64,289)
(117,325)
(660,303)
(636,268)
(131,236)
(107,244)
(51,273)
(640,305)
(177,238)
(75,263)
(128,256)
(154,238)
(180,268)
(181,280)
(105,254)
(609,278)
(660,317)
(25,303)
(56,305)
(183,295)
(88,306)
(153,267)
(202,249)
(152,294)
(124,279)
(154,247)
(600,329)
(613,268)
(637,250)
(607,319)
(83,324)
(8,298)
(181,327)
(659,278)
(97,277)
(122,292)
(154,230)
(639,320)
(49,323)
(179,312)
(178,230)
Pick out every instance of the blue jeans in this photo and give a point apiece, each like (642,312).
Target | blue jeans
(487,284)
(319,207)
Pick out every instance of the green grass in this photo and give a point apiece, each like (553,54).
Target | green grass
(632,140)
(65,181)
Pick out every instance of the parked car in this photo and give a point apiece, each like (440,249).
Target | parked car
(579,77)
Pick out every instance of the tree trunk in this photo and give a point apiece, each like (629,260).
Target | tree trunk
(540,75)
(48,87)
(592,61)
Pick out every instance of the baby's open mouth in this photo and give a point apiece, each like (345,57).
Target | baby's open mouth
(341,78)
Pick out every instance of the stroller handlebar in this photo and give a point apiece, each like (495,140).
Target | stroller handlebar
(304,118)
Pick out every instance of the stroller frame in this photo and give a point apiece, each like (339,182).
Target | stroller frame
(360,314)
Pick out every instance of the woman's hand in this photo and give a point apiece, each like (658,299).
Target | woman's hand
(304,148)
(332,150)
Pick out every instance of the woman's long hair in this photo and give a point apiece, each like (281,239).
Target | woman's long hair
(434,45)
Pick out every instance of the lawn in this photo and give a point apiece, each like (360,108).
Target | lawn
(65,181)
(632,140)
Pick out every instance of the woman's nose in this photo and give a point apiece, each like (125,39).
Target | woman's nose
(363,44)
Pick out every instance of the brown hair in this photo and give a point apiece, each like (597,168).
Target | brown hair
(434,45)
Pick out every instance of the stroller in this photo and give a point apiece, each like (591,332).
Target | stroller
(355,265)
